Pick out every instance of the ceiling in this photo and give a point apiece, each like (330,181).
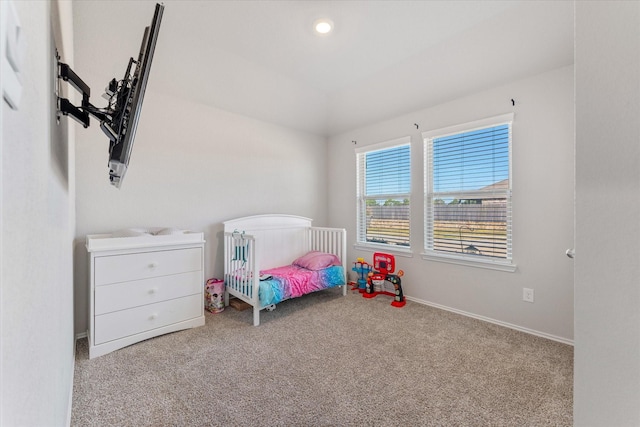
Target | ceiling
(384,58)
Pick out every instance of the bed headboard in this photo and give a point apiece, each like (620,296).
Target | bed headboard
(283,237)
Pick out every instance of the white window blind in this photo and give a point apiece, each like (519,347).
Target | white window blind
(468,190)
(384,193)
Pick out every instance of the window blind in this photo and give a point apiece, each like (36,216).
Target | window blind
(474,160)
(468,192)
(384,187)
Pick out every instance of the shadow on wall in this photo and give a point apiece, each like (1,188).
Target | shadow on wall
(216,246)
(80,286)
(59,141)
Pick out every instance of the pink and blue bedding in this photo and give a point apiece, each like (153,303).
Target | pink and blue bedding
(292,281)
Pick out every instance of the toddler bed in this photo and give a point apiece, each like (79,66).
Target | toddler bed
(292,258)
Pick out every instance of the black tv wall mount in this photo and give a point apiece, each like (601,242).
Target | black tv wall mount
(81,113)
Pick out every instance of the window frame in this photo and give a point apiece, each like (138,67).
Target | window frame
(501,264)
(361,197)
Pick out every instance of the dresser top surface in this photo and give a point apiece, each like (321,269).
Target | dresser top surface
(107,242)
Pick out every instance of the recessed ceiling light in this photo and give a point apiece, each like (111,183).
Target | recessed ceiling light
(323,26)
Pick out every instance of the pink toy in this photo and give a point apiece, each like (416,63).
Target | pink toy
(214,295)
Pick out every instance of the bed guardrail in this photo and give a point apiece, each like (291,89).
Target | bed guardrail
(240,261)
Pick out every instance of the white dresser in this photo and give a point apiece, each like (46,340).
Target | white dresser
(142,287)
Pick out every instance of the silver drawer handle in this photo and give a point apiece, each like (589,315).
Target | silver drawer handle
(153,290)
(571,253)
(153,316)
(154,264)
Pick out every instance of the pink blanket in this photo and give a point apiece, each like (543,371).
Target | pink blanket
(300,281)
(291,281)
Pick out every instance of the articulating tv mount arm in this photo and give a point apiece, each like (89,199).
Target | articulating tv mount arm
(65,107)
(106,116)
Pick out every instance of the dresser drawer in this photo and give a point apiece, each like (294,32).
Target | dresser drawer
(123,295)
(124,323)
(143,265)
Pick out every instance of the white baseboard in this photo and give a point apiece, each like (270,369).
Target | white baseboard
(494,321)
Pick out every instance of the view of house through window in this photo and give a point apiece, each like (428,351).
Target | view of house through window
(384,186)
(468,192)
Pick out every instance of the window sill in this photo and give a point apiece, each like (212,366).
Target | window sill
(394,250)
(470,261)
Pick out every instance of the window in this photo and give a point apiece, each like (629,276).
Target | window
(468,193)
(384,194)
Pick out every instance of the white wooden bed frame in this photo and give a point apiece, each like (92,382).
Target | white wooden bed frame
(269,241)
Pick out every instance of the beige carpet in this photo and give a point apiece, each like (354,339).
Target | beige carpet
(329,360)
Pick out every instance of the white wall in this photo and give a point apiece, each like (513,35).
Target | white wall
(607,264)
(543,147)
(193,167)
(37,236)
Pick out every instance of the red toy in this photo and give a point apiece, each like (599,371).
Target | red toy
(384,265)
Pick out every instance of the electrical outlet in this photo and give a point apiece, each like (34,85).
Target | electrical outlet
(527,294)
